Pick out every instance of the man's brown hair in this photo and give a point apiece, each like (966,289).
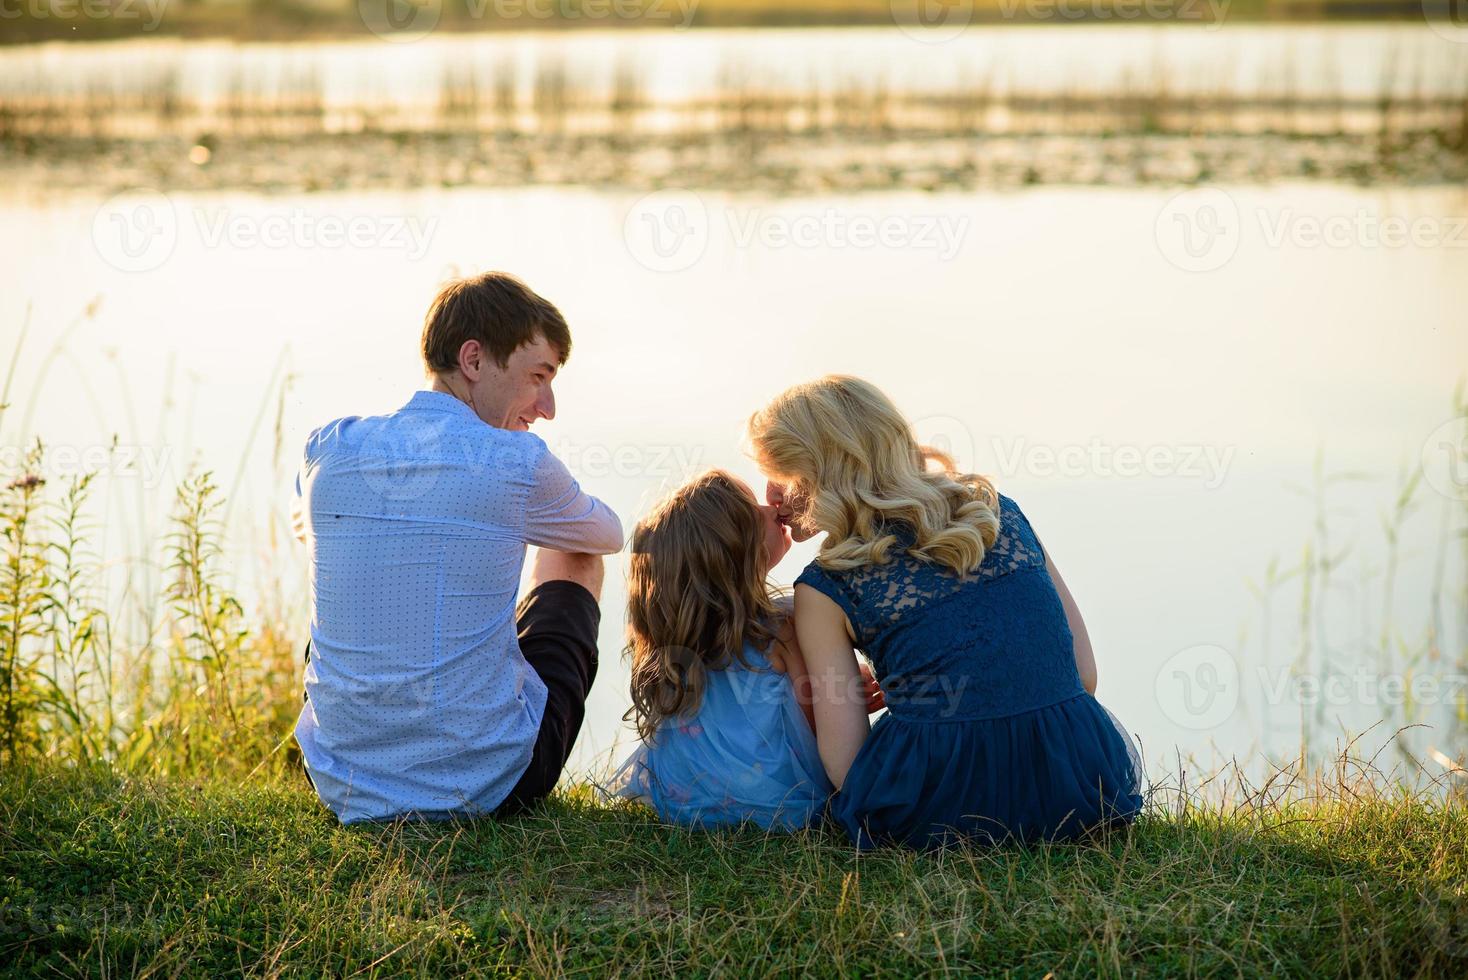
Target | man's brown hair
(496,309)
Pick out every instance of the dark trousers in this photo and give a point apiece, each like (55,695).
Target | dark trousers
(557,623)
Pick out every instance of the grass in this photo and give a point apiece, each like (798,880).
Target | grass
(101,873)
(153,821)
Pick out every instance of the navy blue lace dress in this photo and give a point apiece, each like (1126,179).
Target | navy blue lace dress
(989,734)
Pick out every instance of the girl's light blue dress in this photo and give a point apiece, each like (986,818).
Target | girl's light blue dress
(747,754)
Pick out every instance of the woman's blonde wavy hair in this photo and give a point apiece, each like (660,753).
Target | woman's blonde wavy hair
(696,593)
(840,443)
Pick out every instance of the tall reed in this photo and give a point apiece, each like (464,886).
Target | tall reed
(1395,654)
(216,695)
(24,594)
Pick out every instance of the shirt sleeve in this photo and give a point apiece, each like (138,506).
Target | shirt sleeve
(563,518)
(298,499)
(298,513)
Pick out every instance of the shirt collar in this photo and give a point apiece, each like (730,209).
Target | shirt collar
(438,401)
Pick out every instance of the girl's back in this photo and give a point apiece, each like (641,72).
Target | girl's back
(724,737)
(746,754)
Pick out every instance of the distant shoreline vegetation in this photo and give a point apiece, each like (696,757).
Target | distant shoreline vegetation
(866,111)
(32,21)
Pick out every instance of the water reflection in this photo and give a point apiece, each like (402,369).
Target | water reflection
(1152,414)
(785,111)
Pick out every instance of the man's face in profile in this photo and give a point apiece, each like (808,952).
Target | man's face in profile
(519,394)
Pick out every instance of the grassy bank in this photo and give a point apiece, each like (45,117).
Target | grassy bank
(103,874)
(153,820)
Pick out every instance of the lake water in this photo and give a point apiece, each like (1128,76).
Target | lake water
(1151,418)
(1151,371)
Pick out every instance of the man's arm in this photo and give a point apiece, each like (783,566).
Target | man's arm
(298,511)
(563,518)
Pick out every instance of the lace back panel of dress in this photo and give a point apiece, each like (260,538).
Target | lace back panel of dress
(885,593)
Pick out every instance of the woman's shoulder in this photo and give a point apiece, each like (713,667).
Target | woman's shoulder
(812,573)
(833,582)
(1017,546)
(842,587)
(900,535)
(1011,515)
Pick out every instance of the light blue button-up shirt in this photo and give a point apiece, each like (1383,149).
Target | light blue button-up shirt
(416,525)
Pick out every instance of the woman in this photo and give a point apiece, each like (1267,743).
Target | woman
(992,731)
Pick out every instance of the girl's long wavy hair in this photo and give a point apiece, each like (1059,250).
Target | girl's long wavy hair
(696,593)
(840,443)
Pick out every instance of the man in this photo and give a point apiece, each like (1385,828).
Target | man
(429,692)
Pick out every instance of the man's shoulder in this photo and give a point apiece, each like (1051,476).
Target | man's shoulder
(430,436)
(496,447)
(324,437)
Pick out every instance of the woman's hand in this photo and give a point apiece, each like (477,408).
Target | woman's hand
(876,700)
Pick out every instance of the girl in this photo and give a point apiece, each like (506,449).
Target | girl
(991,731)
(716,669)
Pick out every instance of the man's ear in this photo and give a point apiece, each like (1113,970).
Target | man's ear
(471,360)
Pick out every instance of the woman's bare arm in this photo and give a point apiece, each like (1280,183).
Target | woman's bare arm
(785,657)
(1085,658)
(837,691)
